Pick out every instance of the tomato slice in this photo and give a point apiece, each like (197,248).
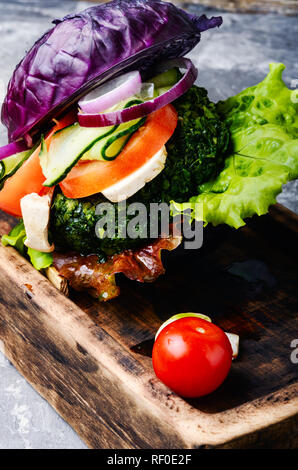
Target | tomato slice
(29,178)
(88,178)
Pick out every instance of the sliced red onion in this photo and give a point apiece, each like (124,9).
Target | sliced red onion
(111,93)
(11,149)
(148,107)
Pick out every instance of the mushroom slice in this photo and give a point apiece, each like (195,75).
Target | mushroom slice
(234,340)
(36,216)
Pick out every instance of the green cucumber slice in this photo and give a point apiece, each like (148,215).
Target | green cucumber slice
(73,143)
(166,79)
(115,143)
(111,146)
(162,90)
(66,149)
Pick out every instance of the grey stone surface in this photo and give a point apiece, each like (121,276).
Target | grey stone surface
(229,59)
(26,420)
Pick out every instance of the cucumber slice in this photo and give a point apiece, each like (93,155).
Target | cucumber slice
(162,90)
(110,147)
(166,79)
(73,143)
(66,149)
(9,165)
(115,144)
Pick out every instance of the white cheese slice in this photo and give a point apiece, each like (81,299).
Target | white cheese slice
(36,216)
(132,183)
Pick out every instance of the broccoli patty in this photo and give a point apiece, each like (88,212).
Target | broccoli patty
(196,152)
(73,223)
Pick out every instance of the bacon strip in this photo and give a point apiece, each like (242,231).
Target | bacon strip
(86,273)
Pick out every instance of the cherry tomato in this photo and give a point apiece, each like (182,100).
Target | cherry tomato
(192,356)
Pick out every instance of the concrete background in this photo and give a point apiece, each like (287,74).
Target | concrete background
(229,59)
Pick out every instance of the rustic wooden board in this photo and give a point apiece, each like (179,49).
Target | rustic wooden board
(92,361)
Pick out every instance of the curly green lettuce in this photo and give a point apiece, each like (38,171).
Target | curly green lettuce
(17,237)
(263,123)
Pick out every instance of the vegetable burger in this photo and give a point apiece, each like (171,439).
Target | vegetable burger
(103,111)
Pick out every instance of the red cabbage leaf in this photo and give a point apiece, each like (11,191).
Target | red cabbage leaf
(84,49)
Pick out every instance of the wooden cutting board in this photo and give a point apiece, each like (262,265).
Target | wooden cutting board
(92,362)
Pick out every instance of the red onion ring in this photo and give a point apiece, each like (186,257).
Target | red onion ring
(148,107)
(12,148)
(111,93)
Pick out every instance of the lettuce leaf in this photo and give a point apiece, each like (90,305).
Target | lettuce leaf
(263,123)
(39,259)
(17,237)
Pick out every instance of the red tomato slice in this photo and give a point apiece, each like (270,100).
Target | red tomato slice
(90,178)
(192,356)
(29,178)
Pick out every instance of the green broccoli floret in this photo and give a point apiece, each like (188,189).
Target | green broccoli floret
(196,153)
(196,150)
